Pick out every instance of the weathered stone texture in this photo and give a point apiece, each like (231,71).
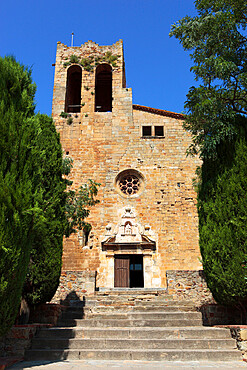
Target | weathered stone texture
(17,340)
(19,337)
(216,314)
(240,334)
(74,285)
(46,313)
(187,284)
(102,144)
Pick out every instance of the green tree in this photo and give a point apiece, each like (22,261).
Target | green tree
(35,208)
(49,197)
(16,190)
(222,205)
(63,212)
(217,40)
(78,203)
(216,118)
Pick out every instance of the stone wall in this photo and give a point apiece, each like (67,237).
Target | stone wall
(102,145)
(46,313)
(169,203)
(240,334)
(192,286)
(17,340)
(74,285)
(215,314)
(185,284)
(19,337)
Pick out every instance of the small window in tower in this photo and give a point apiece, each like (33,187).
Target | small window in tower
(103,88)
(73,90)
(159,130)
(86,236)
(146,130)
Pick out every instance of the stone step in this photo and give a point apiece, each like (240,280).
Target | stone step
(133,291)
(126,303)
(152,315)
(131,322)
(130,297)
(121,325)
(138,354)
(140,308)
(136,333)
(58,343)
(137,295)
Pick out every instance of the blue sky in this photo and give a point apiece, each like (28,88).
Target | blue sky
(157,68)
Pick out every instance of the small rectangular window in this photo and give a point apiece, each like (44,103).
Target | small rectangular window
(146,130)
(159,130)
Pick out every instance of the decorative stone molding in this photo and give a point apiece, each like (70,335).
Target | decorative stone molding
(129,234)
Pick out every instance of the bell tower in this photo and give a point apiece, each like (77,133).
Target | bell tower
(88,79)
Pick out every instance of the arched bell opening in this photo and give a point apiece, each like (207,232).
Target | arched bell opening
(73,90)
(103,88)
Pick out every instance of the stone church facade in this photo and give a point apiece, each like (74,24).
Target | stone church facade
(146,224)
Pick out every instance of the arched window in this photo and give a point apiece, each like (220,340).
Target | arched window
(103,88)
(73,90)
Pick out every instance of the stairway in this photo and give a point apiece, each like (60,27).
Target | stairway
(138,325)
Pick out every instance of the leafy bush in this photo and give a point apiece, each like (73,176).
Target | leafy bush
(63,115)
(70,120)
(87,63)
(66,64)
(111,59)
(74,59)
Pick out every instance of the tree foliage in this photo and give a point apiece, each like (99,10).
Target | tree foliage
(77,206)
(63,212)
(36,210)
(217,40)
(49,197)
(216,117)
(16,191)
(222,205)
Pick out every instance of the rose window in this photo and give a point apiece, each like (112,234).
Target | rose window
(129,185)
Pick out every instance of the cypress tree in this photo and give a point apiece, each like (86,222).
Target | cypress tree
(16,206)
(222,205)
(35,209)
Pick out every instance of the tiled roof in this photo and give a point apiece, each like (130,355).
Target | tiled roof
(161,112)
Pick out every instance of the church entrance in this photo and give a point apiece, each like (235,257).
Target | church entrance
(128,271)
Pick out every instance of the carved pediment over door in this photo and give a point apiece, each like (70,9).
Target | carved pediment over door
(128,234)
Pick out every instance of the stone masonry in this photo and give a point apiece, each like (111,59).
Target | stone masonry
(158,221)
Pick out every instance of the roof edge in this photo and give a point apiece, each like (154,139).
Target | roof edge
(161,112)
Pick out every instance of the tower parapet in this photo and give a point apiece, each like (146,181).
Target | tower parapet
(87,78)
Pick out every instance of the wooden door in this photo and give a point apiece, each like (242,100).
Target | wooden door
(121,272)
